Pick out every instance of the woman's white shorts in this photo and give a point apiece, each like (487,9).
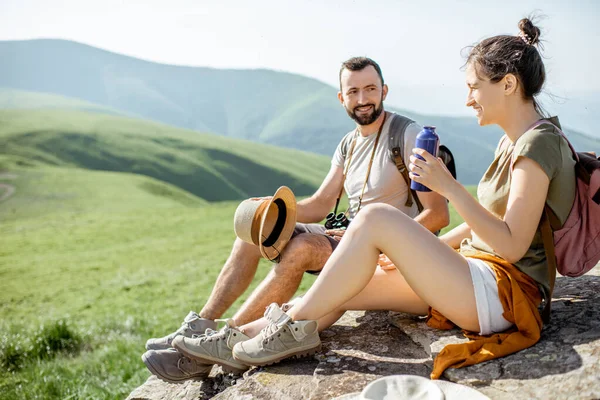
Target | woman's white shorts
(489,307)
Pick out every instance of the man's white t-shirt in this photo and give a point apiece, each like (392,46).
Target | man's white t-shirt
(385,184)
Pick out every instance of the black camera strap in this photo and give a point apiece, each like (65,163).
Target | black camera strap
(337,202)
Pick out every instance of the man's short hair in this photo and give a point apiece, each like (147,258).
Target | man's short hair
(358,64)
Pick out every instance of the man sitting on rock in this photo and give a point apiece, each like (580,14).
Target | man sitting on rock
(363,167)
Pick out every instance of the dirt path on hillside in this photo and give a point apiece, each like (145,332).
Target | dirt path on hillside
(9,190)
(6,190)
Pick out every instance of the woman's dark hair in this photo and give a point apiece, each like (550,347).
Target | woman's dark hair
(500,55)
(358,64)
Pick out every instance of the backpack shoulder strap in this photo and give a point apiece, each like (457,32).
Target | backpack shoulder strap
(560,132)
(548,219)
(398,126)
(548,240)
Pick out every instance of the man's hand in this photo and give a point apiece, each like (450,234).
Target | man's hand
(385,263)
(336,234)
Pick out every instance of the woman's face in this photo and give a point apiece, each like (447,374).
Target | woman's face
(485,97)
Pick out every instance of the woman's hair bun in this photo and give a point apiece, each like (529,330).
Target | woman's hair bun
(529,32)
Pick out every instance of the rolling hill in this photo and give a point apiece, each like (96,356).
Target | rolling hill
(266,106)
(210,167)
(47,190)
(11,99)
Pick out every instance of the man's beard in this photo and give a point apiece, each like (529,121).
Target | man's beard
(367,119)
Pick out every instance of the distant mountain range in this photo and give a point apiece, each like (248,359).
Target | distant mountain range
(265,106)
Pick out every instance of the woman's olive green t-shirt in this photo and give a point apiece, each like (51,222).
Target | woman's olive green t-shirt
(546,146)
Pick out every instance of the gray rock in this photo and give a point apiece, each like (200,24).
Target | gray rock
(565,364)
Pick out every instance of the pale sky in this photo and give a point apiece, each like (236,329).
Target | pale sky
(417,43)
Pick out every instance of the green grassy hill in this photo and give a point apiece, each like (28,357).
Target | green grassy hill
(210,167)
(12,99)
(47,190)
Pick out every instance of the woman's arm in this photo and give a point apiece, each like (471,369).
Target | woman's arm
(455,237)
(509,237)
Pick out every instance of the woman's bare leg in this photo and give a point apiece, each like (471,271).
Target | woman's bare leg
(387,290)
(436,273)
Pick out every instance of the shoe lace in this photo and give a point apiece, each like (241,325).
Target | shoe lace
(271,330)
(180,331)
(277,321)
(210,334)
(185,325)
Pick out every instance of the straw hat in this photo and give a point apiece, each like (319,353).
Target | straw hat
(267,223)
(412,387)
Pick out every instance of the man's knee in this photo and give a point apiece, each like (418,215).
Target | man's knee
(307,251)
(244,249)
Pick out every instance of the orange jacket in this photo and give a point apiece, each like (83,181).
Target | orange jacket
(520,297)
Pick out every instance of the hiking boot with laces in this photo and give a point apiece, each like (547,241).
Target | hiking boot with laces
(280,339)
(192,325)
(214,347)
(172,366)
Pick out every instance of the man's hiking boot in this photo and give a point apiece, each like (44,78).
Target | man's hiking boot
(214,347)
(192,325)
(281,339)
(172,366)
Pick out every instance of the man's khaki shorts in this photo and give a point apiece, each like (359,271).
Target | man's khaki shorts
(318,229)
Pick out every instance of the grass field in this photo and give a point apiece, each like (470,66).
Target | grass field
(49,190)
(81,289)
(92,264)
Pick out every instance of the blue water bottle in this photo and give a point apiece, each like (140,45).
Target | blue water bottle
(427,140)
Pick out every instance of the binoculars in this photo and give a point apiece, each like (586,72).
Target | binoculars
(339,221)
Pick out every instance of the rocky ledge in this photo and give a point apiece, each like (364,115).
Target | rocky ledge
(363,346)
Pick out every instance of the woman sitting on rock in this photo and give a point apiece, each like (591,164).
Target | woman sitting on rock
(488,275)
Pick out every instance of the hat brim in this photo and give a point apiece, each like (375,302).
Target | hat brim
(272,252)
(450,390)
(455,391)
